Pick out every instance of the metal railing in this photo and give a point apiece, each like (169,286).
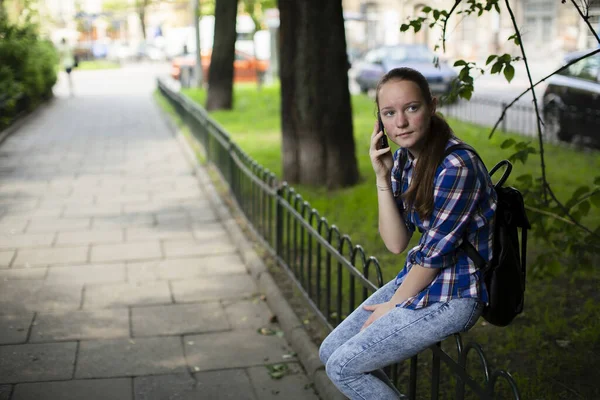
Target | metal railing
(333,274)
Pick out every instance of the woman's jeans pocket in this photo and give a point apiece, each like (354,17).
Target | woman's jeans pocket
(477,310)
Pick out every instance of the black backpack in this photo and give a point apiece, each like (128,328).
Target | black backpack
(504,276)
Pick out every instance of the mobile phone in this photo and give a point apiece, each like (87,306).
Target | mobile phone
(383,142)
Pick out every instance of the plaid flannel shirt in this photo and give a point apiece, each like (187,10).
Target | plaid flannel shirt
(464,203)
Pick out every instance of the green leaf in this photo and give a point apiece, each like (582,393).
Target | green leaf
(509,72)
(580,192)
(466,94)
(404,27)
(505,58)
(427,9)
(507,143)
(525,179)
(584,208)
(596,199)
(597,180)
(436,14)
(490,59)
(463,62)
(497,67)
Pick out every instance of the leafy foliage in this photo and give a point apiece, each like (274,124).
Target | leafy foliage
(27,72)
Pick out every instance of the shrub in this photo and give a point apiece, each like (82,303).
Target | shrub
(27,72)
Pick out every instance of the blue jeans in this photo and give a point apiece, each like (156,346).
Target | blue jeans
(353,359)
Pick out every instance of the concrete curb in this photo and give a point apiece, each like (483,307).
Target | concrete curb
(293,329)
(24,120)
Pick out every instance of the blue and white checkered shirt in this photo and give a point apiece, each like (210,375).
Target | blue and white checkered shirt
(464,203)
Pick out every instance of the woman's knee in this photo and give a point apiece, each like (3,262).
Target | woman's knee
(326,350)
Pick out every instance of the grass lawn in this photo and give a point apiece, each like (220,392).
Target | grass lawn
(97,64)
(553,348)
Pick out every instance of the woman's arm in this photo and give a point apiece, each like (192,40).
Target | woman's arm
(416,280)
(391,223)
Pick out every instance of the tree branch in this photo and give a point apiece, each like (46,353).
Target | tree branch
(586,19)
(566,211)
(535,103)
(576,60)
(456,3)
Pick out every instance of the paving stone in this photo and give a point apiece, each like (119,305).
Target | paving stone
(124,198)
(58,224)
(178,319)
(126,252)
(248,314)
(199,267)
(32,295)
(37,362)
(95,210)
(159,232)
(90,273)
(88,389)
(23,273)
(90,237)
(234,349)
(294,385)
(176,195)
(213,287)
(142,271)
(6,257)
(209,231)
(51,255)
(182,248)
(123,221)
(54,211)
(232,384)
(80,325)
(15,328)
(26,240)
(130,357)
(127,294)
(5,391)
(12,225)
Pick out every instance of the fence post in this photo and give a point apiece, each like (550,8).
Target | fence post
(279,222)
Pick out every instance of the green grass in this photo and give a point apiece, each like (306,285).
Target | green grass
(552,349)
(97,64)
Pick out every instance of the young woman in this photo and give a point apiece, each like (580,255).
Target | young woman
(439,291)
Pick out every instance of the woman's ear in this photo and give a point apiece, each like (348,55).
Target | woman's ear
(433,105)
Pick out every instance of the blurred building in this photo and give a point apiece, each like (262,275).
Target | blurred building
(548,27)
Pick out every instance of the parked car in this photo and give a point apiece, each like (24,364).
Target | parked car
(571,101)
(379,61)
(246,68)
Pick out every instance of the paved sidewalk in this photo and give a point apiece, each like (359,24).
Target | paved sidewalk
(116,279)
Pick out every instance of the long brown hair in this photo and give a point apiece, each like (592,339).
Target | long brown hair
(420,192)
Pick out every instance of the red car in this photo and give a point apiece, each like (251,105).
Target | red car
(246,68)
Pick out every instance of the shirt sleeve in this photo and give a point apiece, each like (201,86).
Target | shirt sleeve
(456,194)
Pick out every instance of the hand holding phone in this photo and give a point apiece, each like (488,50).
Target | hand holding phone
(383,142)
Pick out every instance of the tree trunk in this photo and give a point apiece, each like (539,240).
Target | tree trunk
(220,73)
(142,15)
(316,114)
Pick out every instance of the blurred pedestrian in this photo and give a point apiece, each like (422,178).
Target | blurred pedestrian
(68,61)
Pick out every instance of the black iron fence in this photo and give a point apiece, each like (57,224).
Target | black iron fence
(333,274)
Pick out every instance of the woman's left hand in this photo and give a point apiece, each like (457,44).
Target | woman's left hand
(379,310)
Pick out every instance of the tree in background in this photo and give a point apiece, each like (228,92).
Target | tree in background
(316,115)
(255,8)
(220,73)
